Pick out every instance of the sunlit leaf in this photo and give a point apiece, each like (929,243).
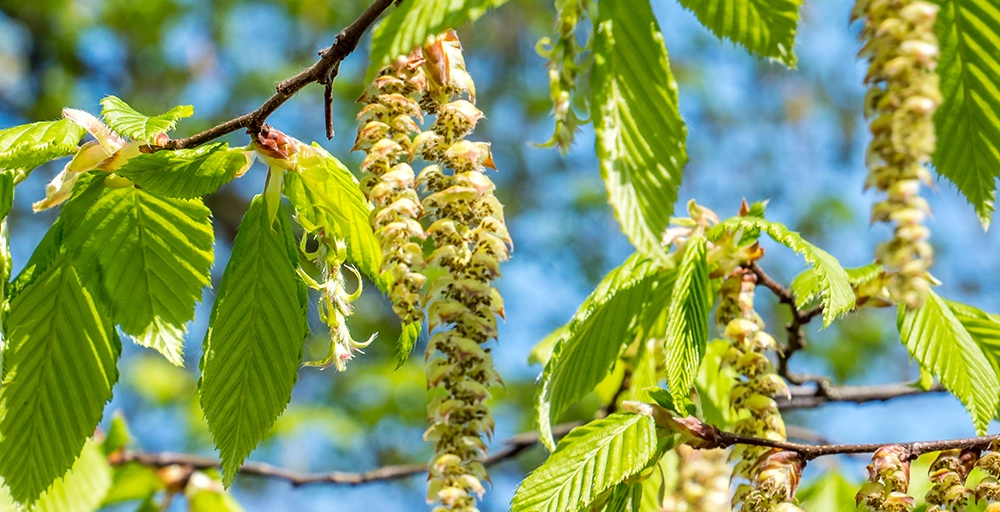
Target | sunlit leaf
(27,146)
(687,320)
(123,119)
(186,173)
(766,28)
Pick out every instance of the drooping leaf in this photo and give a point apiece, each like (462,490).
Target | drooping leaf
(123,119)
(640,134)
(83,488)
(687,320)
(27,146)
(606,321)
(806,289)
(149,256)
(834,284)
(967,124)
(588,461)
(186,173)
(766,28)
(936,338)
(253,347)
(413,21)
(325,195)
(58,370)
(983,327)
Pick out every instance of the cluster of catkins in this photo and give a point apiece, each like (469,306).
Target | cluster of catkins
(702,482)
(465,225)
(948,475)
(773,474)
(563,55)
(902,49)
(888,481)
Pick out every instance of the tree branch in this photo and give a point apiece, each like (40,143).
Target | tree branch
(323,71)
(513,447)
(805,398)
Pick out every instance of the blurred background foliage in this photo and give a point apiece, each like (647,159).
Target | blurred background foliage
(756,130)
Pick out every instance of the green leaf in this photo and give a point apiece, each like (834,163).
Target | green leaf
(766,28)
(123,119)
(640,134)
(834,284)
(625,497)
(407,339)
(58,371)
(687,321)
(967,124)
(253,347)
(714,385)
(83,488)
(806,288)
(413,21)
(983,327)
(936,338)
(186,173)
(606,321)
(326,195)
(150,257)
(27,146)
(831,491)
(589,460)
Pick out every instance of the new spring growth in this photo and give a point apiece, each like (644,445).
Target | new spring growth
(563,56)
(903,94)
(888,481)
(385,126)
(948,474)
(469,240)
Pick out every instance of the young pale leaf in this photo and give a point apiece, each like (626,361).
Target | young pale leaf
(588,461)
(640,134)
(59,367)
(967,124)
(766,28)
(123,119)
(186,173)
(413,21)
(806,289)
(149,256)
(407,339)
(27,146)
(834,284)
(687,321)
(253,347)
(983,327)
(936,338)
(326,195)
(608,319)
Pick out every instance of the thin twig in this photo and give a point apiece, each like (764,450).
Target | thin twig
(324,70)
(805,398)
(796,337)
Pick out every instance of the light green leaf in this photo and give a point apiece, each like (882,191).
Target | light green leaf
(714,385)
(27,146)
(625,497)
(83,488)
(150,257)
(936,338)
(967,124)
(253,347)
(59,367)
(606,321)
(326,195)
(413,21)
(831,491)
(186,173)
(766,28)
(834,284)
(984,329)
(806,288)
(407,338)
(687,321)
(589,460)
(123,119)
(640,134)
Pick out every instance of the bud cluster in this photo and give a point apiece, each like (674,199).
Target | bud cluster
(988,489)
(888,480)
(563,55)
(465,225)
(948,474)
(773,474)
(903,94)
(702,482)
(386,124)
